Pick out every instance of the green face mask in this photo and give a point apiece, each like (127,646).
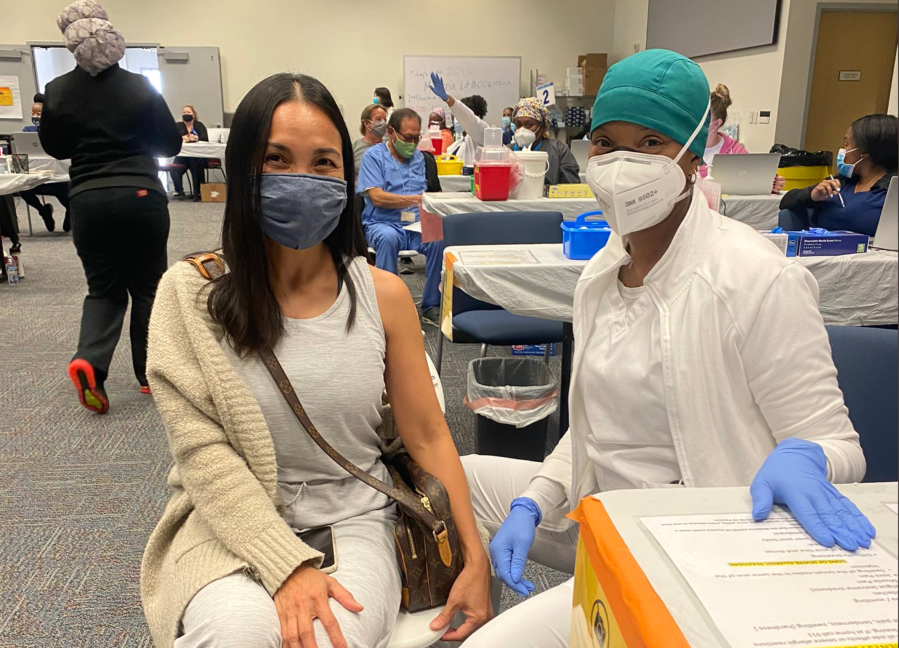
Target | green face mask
(405,149)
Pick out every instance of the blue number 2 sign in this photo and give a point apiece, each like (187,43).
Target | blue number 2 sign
(547,94)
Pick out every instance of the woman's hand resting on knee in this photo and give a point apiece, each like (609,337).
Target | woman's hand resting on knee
(304,596)
(471,595)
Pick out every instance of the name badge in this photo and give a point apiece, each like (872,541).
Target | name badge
(407,216)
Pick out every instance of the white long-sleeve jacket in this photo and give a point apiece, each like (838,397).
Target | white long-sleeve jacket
(474,131)
(745,357)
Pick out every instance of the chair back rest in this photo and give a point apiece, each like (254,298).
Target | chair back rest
(867,362)
(498,228)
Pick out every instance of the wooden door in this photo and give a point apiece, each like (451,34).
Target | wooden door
(853,71)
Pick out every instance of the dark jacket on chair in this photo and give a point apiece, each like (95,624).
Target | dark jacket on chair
(112,126)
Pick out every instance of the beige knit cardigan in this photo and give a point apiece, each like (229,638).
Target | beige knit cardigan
(225,512)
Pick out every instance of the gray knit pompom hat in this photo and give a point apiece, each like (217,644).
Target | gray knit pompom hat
(90,36)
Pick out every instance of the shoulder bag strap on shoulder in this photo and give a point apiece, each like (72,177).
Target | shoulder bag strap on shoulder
(286,388)
(209,264)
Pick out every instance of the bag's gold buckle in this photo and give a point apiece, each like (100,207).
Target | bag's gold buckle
(200,260)
(441,537)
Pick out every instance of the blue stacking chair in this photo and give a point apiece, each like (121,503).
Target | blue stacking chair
(867,361)
(477,322)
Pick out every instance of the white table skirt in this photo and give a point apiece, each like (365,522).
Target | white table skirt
(759,212)
(47,163)
(203,150)
(455,183)
(856,289)
(11,183)
(445,204)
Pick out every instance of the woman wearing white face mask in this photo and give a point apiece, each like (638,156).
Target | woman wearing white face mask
(684,372)
(531,119)
(854,199)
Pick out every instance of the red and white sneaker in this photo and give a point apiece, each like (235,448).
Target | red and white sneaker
(90,392)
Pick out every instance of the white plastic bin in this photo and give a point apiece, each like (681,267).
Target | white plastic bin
(535,164)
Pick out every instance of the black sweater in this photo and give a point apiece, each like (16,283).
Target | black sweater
(111,126)
(200,127)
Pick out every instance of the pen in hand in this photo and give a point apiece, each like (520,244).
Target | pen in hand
(839,195)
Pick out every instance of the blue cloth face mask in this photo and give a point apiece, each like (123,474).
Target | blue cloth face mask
(846,169)
(300,210)
(507,121)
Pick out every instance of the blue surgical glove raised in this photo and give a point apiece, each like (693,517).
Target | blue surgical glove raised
(795,475)
(437,86)
(510,547)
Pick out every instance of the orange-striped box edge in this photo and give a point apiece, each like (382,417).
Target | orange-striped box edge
(642,617)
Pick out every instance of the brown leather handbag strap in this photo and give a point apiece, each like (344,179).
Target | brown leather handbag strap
(410,503)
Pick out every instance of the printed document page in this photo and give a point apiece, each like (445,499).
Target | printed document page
(769,584)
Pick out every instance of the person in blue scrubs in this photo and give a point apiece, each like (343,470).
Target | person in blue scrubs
(866,163)
(392,180)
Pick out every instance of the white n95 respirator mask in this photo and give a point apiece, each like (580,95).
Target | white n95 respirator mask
(638,190)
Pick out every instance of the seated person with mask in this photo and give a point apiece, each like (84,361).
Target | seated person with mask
(392,178)
(59,190)
(531,119)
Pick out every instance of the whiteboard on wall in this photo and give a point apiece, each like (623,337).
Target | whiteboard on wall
(496,78)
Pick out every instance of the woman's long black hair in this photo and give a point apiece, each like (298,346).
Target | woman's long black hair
(878,136)
(242,301)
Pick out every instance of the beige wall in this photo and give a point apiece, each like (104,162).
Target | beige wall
(752,76)
(351,45)
(631,18)
(799,60)
(774,78)
(893,105)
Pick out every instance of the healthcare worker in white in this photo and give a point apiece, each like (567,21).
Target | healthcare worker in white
(701,359)
(470,113)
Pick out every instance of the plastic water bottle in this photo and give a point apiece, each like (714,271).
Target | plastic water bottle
(12,272)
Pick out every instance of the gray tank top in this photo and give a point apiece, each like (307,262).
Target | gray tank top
(339,378)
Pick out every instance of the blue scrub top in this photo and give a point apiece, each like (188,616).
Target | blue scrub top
(380,169)
(861,213)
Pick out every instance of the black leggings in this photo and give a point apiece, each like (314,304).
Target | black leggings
(197,168)
(59,190)
(121,235)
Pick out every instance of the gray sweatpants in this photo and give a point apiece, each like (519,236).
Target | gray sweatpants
(237,612)
(544,620)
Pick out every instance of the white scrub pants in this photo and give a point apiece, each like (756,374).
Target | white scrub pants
(544,620)
(237,612)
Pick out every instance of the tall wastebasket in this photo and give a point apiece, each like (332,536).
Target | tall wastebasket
(513,399)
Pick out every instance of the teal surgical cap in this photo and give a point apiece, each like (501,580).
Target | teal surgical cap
(657,89)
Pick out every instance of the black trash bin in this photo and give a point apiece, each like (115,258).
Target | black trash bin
(513,399)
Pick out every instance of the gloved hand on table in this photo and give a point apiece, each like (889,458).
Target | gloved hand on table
(437,86)
(795,475)
(510,547)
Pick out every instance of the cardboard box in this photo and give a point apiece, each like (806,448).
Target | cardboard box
(615,606)
(780,240)
(595,67)
(533,350)
(213,192)
(806,244)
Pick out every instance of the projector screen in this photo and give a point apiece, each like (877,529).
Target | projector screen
(699,27)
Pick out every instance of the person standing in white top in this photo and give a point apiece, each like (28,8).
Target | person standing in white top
(470,113)
(702,359)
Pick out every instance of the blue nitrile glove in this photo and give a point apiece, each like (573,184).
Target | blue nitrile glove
(510,547)
(437,86)
(795,475)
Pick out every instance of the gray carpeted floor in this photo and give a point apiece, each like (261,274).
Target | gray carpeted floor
(79,493)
